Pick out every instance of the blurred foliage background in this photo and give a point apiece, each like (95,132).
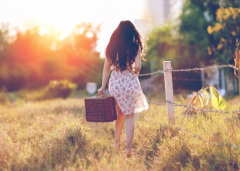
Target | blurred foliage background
(205,34)
(31,59)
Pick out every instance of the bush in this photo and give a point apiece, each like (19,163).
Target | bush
(58,88)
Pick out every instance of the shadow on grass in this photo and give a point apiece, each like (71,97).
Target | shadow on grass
(59,153)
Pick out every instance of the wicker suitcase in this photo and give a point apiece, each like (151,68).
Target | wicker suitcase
(100,109)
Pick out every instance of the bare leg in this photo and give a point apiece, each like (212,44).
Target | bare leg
(118,126)
(129,131)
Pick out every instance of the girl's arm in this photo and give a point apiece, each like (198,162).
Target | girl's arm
(106,71)
(138,62)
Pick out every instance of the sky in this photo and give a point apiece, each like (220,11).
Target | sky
(65,14)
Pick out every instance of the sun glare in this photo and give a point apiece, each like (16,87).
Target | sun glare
(43,30)
(63,35)
(64,15)
(89,34)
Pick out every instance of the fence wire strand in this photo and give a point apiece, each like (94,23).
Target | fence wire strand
(192,69)
(191,107)
(156,103)
(202,110)
(199,136)
(194,135)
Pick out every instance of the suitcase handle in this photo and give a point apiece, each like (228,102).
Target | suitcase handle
(103,95)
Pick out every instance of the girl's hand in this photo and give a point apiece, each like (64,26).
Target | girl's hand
(100,91)
(137,73)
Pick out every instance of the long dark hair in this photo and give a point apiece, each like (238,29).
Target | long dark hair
(124,43)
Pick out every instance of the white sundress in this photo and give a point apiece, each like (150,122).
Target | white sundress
(125,87)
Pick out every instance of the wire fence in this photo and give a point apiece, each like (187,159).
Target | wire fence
(186,79)
(192,107)
(188,70)
(192,69)
(194,135)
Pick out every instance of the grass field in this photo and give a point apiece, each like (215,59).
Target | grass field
(53,135)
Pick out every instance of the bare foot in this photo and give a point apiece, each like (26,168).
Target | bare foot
(129,152)
(116,145)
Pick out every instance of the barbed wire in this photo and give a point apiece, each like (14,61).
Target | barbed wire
(203,110)
(149,121)
(156,72)
(187,79)
(190,79)
(156,103)
(192,107)
(203,69)
(194,135)
(216,144)
(192,69)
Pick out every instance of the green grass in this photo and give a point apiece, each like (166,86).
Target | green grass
(53,135)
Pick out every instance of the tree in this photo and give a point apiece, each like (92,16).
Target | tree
(192,45)
(162,46)
(214,38)
(38,55)
(194,21)
(191,41)
(225,31)
(159,46)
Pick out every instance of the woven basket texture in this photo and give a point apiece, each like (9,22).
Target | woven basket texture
(100,109)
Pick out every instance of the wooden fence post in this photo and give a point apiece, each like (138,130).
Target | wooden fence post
(169,91)
(237,62)
(238,73)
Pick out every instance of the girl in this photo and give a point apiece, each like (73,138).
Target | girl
(123,52)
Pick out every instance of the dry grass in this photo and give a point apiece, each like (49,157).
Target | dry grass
(53,135)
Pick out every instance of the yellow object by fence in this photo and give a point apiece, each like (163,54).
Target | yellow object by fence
(217,100)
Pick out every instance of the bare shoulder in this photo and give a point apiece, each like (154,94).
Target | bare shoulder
(107,63)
